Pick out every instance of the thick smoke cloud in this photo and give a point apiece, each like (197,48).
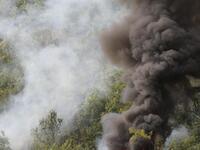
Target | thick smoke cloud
(158,45)
(57,47)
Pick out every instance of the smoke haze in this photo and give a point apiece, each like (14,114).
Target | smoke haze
(57,47)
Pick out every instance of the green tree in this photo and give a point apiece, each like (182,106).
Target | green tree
(47,133)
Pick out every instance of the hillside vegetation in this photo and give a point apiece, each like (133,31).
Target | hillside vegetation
(85,130)
(86,124)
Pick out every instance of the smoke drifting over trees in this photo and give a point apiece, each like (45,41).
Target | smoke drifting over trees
(57,47)
(158,46)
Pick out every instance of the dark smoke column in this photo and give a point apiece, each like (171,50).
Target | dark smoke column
(158,46)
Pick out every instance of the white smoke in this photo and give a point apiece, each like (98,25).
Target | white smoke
(176,135)
(58,48)
(101,145)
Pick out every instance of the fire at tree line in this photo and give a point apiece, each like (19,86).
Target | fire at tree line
(157,48)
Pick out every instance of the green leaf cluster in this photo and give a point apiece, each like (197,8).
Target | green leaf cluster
(138,133)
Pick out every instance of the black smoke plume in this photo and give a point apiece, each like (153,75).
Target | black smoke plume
(158,46)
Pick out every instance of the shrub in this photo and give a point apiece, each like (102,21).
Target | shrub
(139,133)
(47,133)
